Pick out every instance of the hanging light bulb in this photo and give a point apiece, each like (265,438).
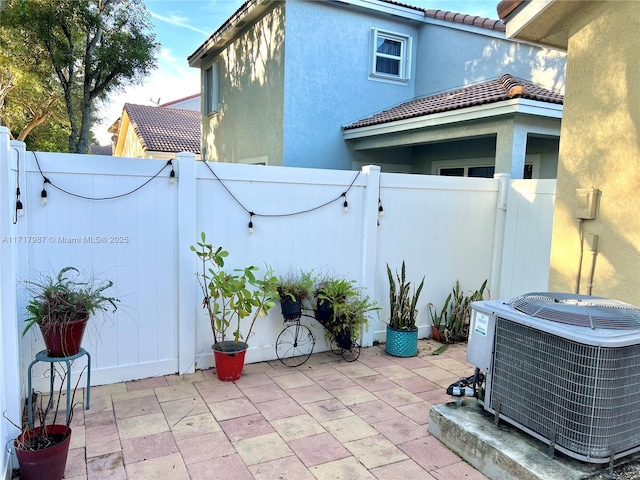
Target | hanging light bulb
(172,176)
(345,204)
(43,196)
(250,222)
(19,209)
(380,211)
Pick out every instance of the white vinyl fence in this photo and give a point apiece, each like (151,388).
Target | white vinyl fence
(124,220)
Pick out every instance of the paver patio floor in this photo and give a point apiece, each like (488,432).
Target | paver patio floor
(327,419)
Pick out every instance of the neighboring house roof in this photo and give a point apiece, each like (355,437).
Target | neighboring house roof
(173,102)
(165,129)
(504,88)
(506,7)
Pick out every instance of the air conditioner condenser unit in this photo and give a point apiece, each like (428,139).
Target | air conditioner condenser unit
(564,368)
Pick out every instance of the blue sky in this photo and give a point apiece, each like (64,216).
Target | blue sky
(181,26)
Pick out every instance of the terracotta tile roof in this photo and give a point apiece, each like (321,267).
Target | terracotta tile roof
(165,129)
(506,7)
(454,17)
(504,88)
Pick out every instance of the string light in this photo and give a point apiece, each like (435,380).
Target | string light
(380,209)
(251,222)
(172,173)
(43,194)
(19,209)
(345,204)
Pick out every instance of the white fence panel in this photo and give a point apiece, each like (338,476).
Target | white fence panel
(442,227)
(129,240)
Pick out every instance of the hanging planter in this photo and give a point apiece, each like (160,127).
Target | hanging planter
(46,463)
(291,309)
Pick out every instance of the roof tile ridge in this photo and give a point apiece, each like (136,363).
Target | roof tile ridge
(513,86)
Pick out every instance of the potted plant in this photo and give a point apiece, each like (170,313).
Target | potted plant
(230,298)
(451,324)
(42,448)
(402,332)
(61,307)
(294,290)
(342,308)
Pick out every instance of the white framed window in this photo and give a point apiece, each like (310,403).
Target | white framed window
(210,87)
(481,167)
(390,56)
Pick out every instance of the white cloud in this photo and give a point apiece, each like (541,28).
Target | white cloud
(179,22)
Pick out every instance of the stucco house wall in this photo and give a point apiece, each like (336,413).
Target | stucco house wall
(248,126)
(600,148)
(599,142)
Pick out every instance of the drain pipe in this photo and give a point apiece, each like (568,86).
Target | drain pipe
(497,253)
(592,242)
(579,273)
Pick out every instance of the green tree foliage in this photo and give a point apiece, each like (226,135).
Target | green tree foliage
(91,47)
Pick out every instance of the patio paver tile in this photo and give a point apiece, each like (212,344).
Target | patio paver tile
(417,384)
(405,470)
(136,406)
(458,470)
(353,395)
(76,462)
(148,447)
(204,447)
(102,440)
(435,397)
(100,419)
(398,396)
(288,468)
(107,467)
(375,411)
(300,426)
(293,380)
(142,425)
(218,392)
(169,466)
(222,468)
(354,369)
(418,412)
(374,361)
(175,392)
(185,378)
(395,371)
(174,410)
(429,453)
(263,448)
(433,373)
(238,407)
(194,425)
(334,380)
(255,379)
(344,469)
(78,439)
(99,404)
(375,451)
(117,397)
(325,410)
(309,394)
(373,383)
(401,430)
(146,383)
(264,393)
(450,364)
(349,428)
(246,427)
(318,449)
(279,408)
(412,362)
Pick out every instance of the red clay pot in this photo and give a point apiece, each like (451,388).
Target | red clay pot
(48,463)
(63,339)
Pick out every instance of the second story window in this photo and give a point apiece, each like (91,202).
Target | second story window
(210,87)
(391,53)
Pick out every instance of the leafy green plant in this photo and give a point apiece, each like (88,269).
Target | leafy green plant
(402,302)
(453,320)
(348,306)
(66,299)
(296,286)
(229,297)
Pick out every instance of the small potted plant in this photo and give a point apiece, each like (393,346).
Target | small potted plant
(230,298)
(451,324)
(402,332)
(42,448)
(294,290)
(342,308)
(61,307)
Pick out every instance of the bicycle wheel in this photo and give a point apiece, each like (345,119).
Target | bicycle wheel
(351,354)
(295,345)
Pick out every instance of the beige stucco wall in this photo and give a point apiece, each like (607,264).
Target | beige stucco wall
(251,78)
(600,147)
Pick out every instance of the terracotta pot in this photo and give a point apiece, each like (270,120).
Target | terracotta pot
(48,463)
(435,333)
(229,358)
(63,339)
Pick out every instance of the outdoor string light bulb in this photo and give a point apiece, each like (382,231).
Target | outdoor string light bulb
(250,222)
(172,173)
(43,196)
(380,209)
(345,204)
(19,209)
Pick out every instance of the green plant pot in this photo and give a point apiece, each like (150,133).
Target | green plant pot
(402,343)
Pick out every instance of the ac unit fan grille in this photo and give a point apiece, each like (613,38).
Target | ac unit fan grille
(586,399)
(579,310)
